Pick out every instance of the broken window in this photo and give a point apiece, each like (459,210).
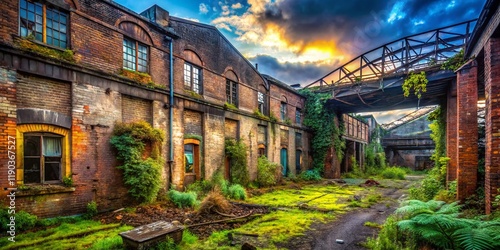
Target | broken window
(260,99)
(43,23)
(283,111)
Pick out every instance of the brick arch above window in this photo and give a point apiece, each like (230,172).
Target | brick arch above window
(231,75)
(192,57)
(284,99)
(136,31)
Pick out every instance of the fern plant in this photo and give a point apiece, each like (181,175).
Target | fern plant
(436,223)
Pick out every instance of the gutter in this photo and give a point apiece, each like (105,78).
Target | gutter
(171,110)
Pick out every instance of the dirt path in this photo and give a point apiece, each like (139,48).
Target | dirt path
(349,227)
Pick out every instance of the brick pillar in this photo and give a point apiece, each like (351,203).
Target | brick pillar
(7,131)
(467,134)
(492,89)
(451,132)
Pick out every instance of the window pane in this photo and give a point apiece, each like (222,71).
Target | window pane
(52,170)
(52,146)
(31,170)
(228,91)
(189,157)
(187,75)
(32,146)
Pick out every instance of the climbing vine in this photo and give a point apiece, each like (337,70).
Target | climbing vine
(237,153)
(416,82)
(454,62)
(141,172)
(325,132)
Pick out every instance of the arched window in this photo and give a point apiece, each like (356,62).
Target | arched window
(261,150)
(193,72)
(283,108)
(231,88)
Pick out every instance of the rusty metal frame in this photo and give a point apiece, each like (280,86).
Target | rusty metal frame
(411,53)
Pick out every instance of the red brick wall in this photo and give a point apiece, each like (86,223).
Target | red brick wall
(7,123)
(135,109)
(8,20)
(467,135)
(294,101)
(451,133)
(492,89)
(43,93)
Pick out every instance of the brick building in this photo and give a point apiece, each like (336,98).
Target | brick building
(71,69)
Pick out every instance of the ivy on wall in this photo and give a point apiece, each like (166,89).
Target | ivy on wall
(236,150)
(142,176)
(325,133)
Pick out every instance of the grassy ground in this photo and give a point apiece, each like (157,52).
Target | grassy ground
(295,208)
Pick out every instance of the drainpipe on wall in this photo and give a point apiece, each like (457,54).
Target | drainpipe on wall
(171,109)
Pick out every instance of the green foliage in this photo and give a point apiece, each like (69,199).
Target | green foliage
(496,202)
(114,242)
(29,45)
(375,156)
(321,121)
(437,224)
(236,192)
(237,153)
(257,113)
(24,220)
(230,106)
(390,238)
(168,244)
(67,181)
(266,172)
(91,209)
(393,173)
(181,199)
(201,188)
(415,82)
(454,62)
(273,118)
(436,177)
(143,176)
(310,175)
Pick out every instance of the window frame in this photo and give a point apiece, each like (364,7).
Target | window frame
(43,19)
(298,116)
(232,89)
(261,102)
(136,55)
(191,83)
(196,157)
(283,109)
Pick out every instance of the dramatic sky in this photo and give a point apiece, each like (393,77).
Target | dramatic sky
(300,41)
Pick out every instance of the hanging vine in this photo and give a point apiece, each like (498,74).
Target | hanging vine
(416,82)
(325,132)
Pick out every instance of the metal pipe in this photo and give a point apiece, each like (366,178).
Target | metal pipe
(171,110)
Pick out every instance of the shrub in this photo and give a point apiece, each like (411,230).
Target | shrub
(182,200)
(311,175)
(236,192)
(266,172)
(67,181)
(143,176)
(214,202)
(144,179)
(91,209)
(393,173)
(201,188)
(24,220)
(237,153)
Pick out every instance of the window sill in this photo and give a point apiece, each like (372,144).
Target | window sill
(43,189)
